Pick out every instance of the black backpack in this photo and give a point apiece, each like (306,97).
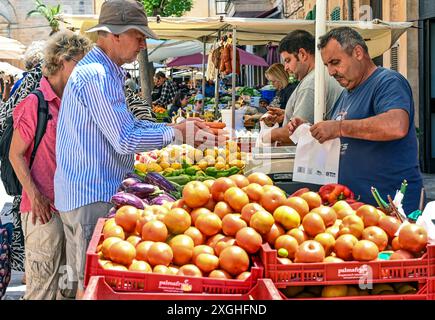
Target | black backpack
(10,181)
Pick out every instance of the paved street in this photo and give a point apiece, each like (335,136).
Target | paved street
(16,288)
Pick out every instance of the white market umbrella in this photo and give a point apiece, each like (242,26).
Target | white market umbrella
(11,49)
(10,69)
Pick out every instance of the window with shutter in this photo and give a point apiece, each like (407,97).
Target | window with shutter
(394,54)
(335,14)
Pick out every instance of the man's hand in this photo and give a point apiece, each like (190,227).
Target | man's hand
(276,113)
(325,130)
(195,132)
(41,209)
(294,124)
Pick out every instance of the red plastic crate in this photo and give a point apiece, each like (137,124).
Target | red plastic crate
(98,289)
(426,291)
(153,282)
(349,272)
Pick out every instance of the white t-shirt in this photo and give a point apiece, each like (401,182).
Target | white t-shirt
(301,102)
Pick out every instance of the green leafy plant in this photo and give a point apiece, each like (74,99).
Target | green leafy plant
(167,8)
(48,12)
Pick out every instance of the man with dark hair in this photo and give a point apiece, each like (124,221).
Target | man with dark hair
(297,51)
(167,88)
(373,117)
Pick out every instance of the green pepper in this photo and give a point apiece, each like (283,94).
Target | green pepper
(211,171)
(202,178)
(176,173)
(229,172)
(200,173)
(140,173)
(181,179)
(191,171)
(184,164)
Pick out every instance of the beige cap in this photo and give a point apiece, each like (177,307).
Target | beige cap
(118,16)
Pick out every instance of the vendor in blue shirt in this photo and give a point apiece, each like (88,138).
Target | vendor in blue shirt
(374,118)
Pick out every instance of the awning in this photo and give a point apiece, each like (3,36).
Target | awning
(11,49)
(379,35)
(173,48)
(10,69)
(246,58)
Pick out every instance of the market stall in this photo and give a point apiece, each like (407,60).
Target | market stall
(206,224)
(379,35)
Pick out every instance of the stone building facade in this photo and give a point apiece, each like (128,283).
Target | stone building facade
(14,24)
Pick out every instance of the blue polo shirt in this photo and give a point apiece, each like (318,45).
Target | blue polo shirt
(381,164)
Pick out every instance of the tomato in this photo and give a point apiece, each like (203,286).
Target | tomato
(260,178)
(236,198)
(196,194)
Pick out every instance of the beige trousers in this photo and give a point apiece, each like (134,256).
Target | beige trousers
(79,226)
(45,256)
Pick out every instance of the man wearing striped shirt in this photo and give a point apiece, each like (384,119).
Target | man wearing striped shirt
(97,136)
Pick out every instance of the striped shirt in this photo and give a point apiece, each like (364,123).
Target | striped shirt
(97,136)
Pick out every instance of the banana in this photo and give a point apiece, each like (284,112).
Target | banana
(382,288)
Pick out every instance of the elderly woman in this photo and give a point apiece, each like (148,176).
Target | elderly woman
(29,82)
(42,226)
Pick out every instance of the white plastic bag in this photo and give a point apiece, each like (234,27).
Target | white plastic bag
(427,220)
(264,132)
(315,162)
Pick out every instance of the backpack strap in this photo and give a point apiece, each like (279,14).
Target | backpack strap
(41,124)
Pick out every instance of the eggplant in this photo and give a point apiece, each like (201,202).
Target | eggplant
(159,181)
(111,213)
(141,190)
(127,199)
(133,175)
(126,183)
(161,199)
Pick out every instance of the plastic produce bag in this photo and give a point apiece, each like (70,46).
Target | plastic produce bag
(315,162)
(265,132)
(427,220)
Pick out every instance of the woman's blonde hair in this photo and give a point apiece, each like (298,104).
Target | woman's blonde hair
(64,45)
(277,71)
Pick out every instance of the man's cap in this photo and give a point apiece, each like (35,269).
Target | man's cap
(199,96)
(118,16)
